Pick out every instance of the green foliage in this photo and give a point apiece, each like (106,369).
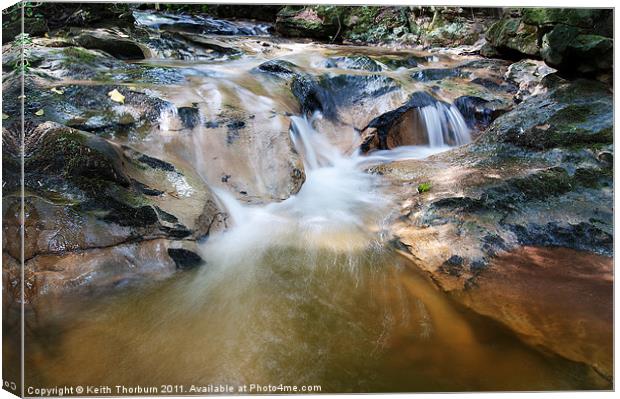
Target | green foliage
(424,187)
(14,13)
(23,43)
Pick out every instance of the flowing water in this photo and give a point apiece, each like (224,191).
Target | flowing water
(304,291)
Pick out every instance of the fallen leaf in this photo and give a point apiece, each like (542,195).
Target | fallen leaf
(40,113)
(133,88)
(116,96)
(57,91)
(5,116)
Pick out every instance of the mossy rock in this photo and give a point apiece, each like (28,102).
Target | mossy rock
(511,36)
(316,22)
(572,115)
(579,17)
(69,154)
(375,24)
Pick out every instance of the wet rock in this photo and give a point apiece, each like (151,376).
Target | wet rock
(112,43)
(478,112)
(453,265)
(101,270)
(190,117)
(495,84)
(278,67)
(86,193)
(430,74)
(547,296)
(156,163)
(347,90)
(534,177)
(312,96)
(401,126)
(356,63)
(405,62)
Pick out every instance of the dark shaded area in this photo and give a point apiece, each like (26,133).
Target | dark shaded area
(185,259)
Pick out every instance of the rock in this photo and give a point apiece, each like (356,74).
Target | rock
(577,42)
(371,24)
(259,12)
(185,259)
(512,37)
(111,43)
(586,18)
(316,22)
(547,296)
(278,67)
(101,270)
(430,74)
(527,75)
(571,115)
(401,126)
(86,193)
(347,90)
(402,62)
(32,26)
(478,112)
(356,63)
(190,117)
(575,54)
(312,96)
(534,177)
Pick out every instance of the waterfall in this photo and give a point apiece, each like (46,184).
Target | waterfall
(337,208)
(444,125)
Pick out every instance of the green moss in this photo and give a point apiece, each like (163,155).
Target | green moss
(571,114)
(592,178)
(78,54)
(424,187)
(581,17)
(543,184)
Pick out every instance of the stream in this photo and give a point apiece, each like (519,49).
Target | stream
(304,287)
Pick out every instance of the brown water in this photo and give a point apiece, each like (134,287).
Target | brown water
(368,322)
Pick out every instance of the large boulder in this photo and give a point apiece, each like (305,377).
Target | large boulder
(529,204)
